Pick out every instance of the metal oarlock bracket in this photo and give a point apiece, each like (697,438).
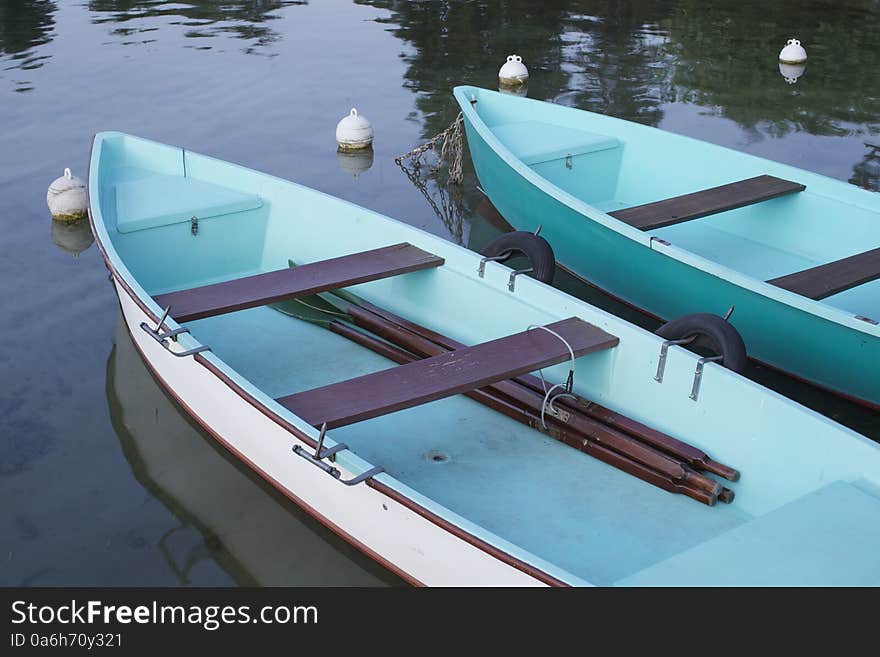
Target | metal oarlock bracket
(481,270)
(698,374)
(161,338)
(664,348)
(511,283)
(317,459)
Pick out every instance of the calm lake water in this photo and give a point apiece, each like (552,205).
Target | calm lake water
(102,480)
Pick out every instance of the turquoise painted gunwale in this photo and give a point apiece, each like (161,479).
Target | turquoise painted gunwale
(810,339)
(735,419)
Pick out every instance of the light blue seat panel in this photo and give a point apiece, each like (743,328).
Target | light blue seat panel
(828,537)
(161,200)
(534,141)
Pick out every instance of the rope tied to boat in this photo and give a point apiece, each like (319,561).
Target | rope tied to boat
(447,146)
(549,397)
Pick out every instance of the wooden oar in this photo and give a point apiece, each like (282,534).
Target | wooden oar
(694,457)
(532,402)
(691,455)
(498,403)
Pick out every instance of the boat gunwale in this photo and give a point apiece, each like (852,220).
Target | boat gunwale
(446,519)
(591,213)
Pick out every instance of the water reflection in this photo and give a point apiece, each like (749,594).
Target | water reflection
(791,73)
(72,237)
(25,25)
(633,58)
(445,199)
(520,90)
(355,163)
(618,61)
(244,19)
(725,61)
(866,174)
(458,42)
(225,512)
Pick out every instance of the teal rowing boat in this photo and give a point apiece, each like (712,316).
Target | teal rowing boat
(676,226)
(457,423)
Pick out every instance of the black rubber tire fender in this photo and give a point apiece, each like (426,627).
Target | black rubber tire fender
(534,247)
(710,332)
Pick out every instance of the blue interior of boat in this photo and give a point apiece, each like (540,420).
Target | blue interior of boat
(553,501)
(516,482)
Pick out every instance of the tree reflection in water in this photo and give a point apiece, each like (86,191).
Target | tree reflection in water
(244,19)
(25,25)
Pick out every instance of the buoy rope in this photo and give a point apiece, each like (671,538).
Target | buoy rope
(448,147)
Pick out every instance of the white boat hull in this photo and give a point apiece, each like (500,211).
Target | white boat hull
(406,542)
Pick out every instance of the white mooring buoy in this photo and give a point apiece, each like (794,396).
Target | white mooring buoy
(793,53)
(354,132)
(67,199)
(513,72)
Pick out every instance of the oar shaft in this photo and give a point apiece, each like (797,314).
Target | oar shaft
(426,342)
(693,456)
(533,401)
(608,437)
(569,435)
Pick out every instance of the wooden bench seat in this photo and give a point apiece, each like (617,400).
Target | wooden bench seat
(283,284)
(445,375)
(833,277)
(708,201)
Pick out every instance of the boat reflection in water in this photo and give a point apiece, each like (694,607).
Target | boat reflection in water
(253,532)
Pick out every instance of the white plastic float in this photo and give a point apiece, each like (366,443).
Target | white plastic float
(793,53)
(354,132)
(67,198)
(513,72)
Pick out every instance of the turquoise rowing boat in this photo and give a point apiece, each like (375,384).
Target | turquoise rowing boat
(676,226)
(379,377)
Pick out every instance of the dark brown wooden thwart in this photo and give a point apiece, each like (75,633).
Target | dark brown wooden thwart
(833,277)
(708,201)
(284,284)
(445,375)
